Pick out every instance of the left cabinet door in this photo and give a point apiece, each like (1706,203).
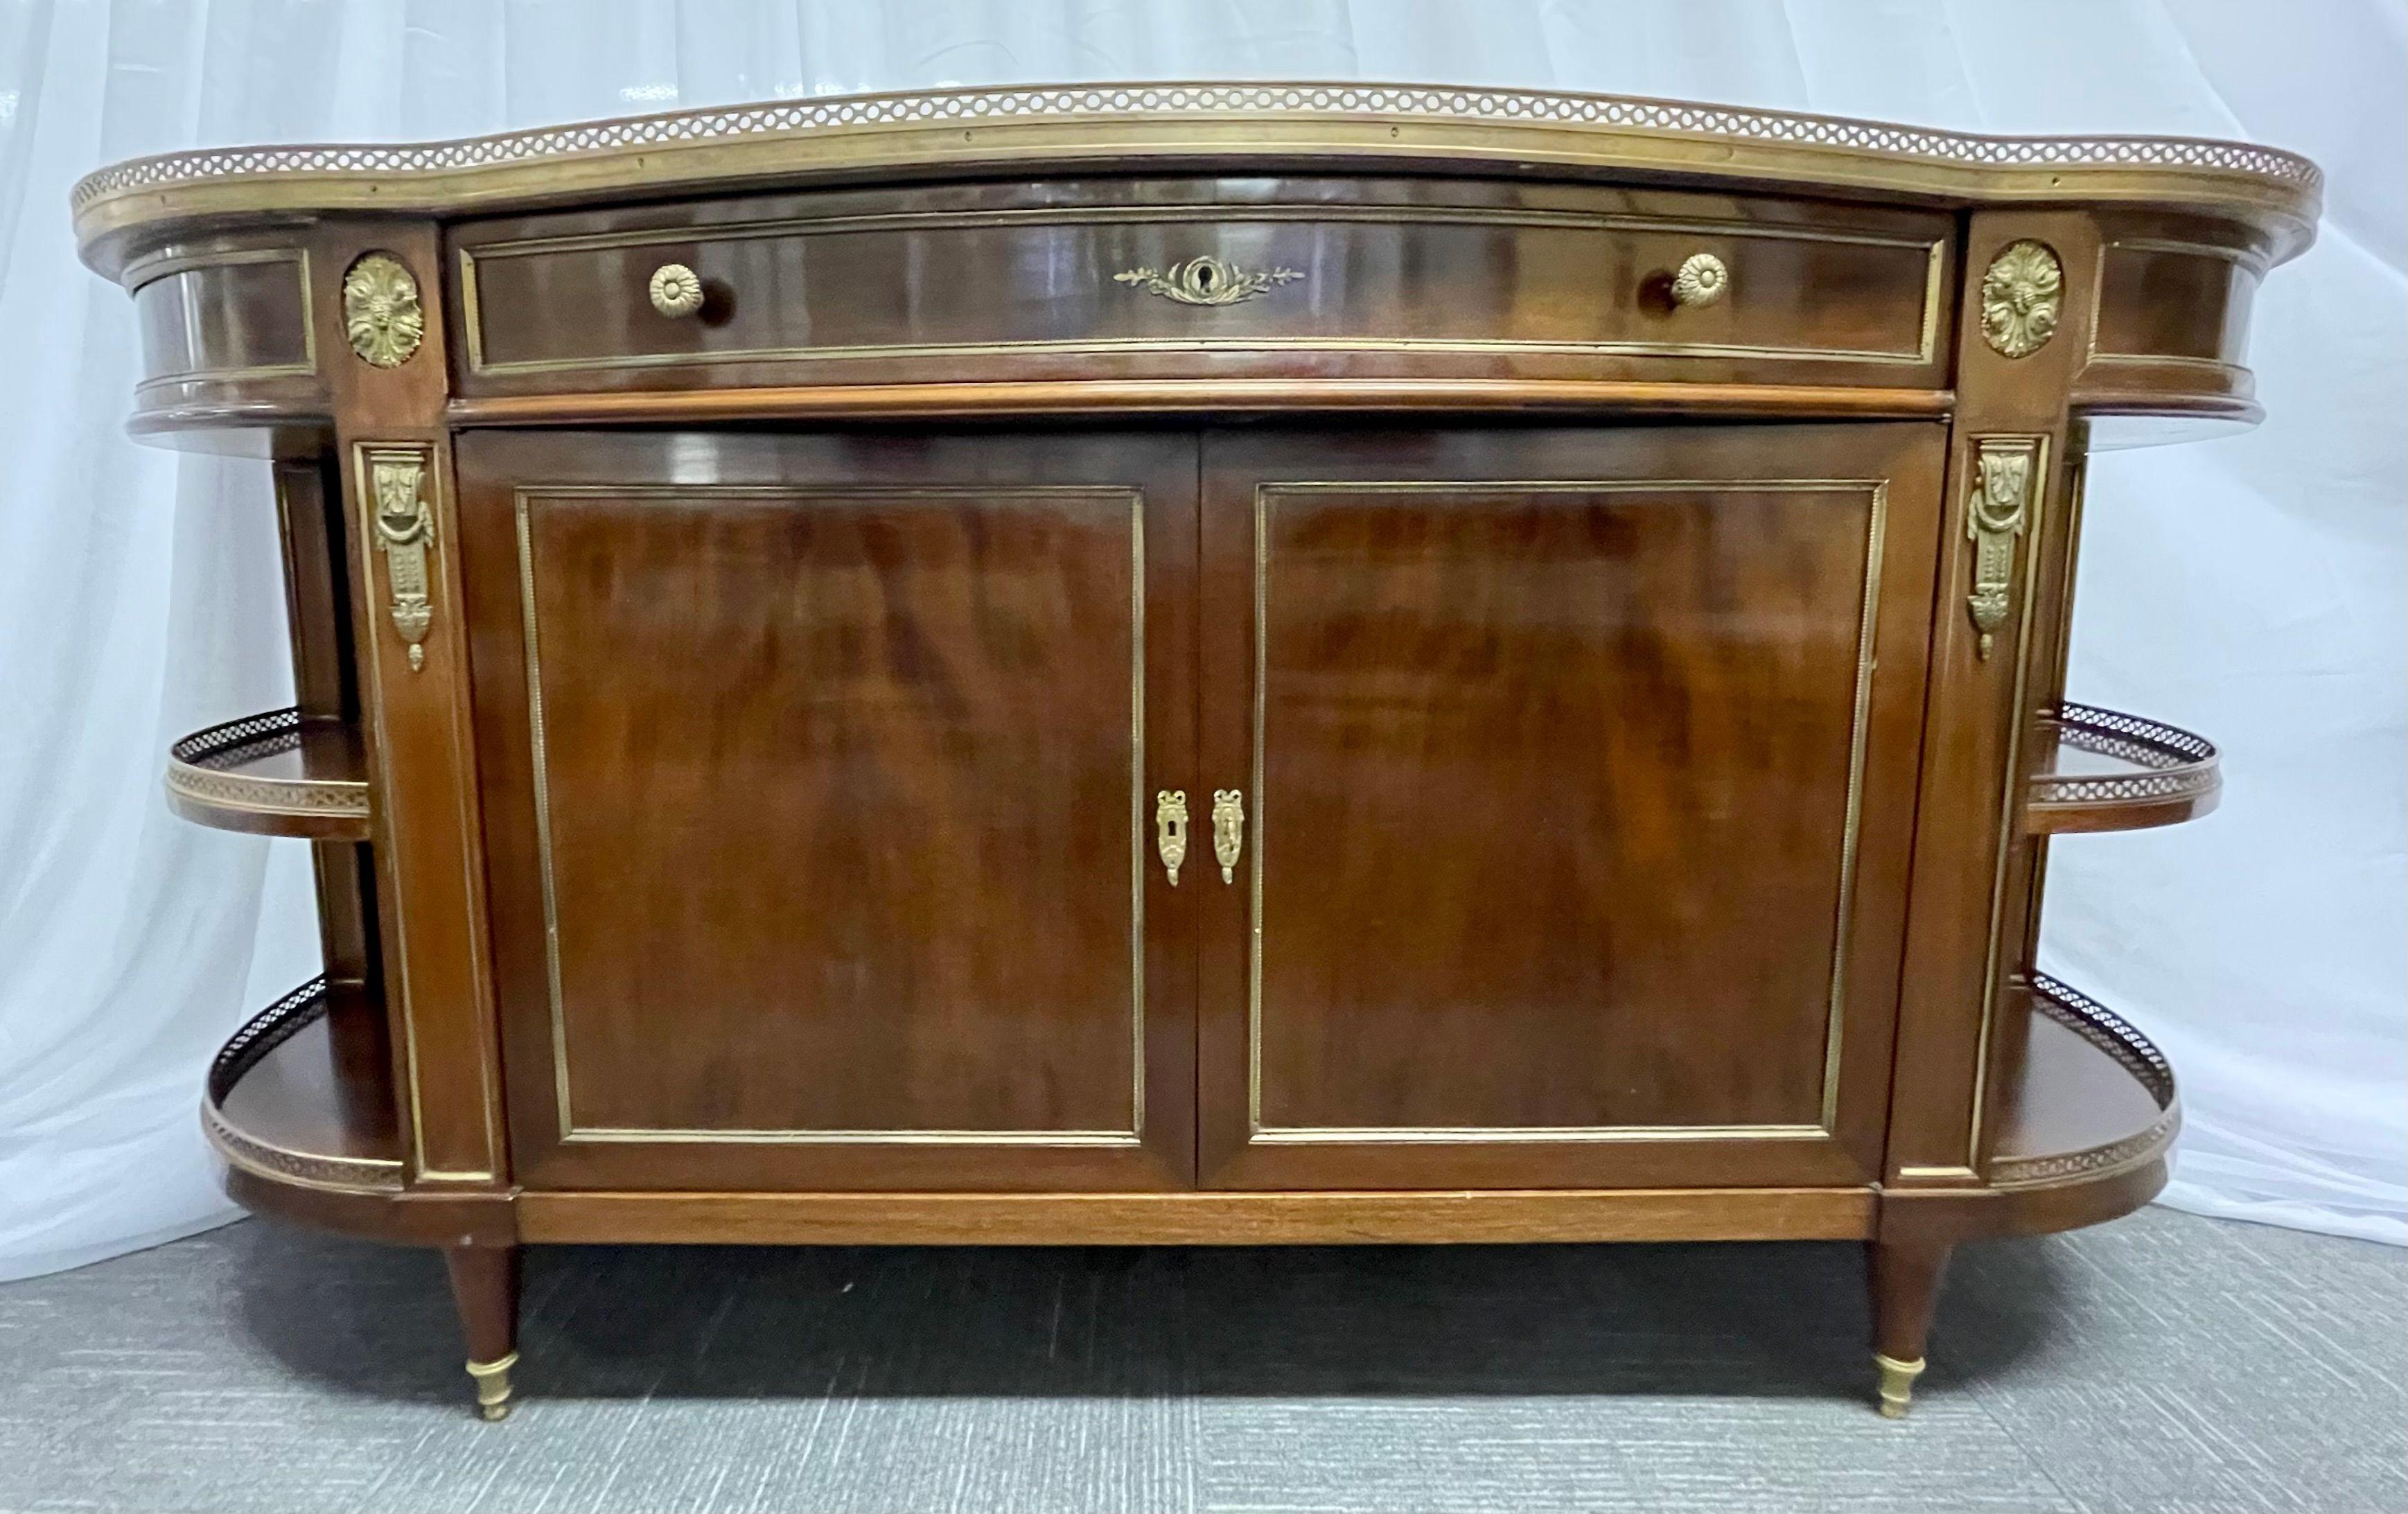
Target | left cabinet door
(820,777)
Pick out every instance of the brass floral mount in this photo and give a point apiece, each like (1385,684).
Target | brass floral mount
(1994,518)
(405,533)
(1205,280)
(381,315)
(2021,292)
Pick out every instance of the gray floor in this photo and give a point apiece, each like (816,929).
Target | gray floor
(2162,1363)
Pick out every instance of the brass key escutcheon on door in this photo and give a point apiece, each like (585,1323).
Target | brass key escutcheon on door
(1228,831)
(1171,830)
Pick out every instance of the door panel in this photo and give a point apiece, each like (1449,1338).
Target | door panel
(820,775)
(1579,774)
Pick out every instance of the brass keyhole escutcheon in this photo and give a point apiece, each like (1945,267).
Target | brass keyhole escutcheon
(1228,831)
(1171,830)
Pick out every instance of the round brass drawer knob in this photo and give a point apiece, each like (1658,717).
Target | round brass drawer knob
(1702,280)
(676,291)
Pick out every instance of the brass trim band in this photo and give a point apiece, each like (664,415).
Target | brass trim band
(2178,764)
(206,771)
(1118,123)
(2112,1034)
(245,1049)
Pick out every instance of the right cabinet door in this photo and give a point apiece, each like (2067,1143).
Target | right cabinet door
(1570,774)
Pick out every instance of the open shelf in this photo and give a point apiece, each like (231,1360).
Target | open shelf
(2100,770)
(282,773)
(2095,1098)
(303,1094)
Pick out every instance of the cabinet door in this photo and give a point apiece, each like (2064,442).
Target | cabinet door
(819,778)
(1578,773)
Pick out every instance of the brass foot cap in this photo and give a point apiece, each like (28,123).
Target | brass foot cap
(492,1380)
(1897,1383)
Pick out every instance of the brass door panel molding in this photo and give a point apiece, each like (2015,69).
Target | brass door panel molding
(1875,494)
(526,501)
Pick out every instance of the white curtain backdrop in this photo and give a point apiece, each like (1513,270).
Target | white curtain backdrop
(2250,588)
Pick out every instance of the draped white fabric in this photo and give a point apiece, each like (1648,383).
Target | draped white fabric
(2250,588)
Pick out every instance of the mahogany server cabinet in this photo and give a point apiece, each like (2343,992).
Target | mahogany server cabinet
(1189,664)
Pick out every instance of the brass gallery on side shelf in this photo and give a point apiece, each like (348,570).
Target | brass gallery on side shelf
(772,590)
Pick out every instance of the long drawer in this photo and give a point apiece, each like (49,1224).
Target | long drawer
(1204,277)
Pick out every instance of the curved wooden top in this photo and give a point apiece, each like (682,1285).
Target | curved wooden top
(970,132)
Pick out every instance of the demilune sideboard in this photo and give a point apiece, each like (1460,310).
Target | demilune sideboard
(1189,664)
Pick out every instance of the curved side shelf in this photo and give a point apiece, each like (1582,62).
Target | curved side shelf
(2087,1128)
(284,1105)
(2101,770)
(277,774)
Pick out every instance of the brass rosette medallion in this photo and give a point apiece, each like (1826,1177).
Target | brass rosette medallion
(1702,280)
(2021,294)
(675,291)
(381,315)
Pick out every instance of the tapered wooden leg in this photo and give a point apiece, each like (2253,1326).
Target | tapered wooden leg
(485,1285)
(1905,1279)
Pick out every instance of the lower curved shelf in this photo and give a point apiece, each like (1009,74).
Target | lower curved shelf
(2102,770)
(281,772)
(288,1101)
(2088,1126)
(300,1104)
